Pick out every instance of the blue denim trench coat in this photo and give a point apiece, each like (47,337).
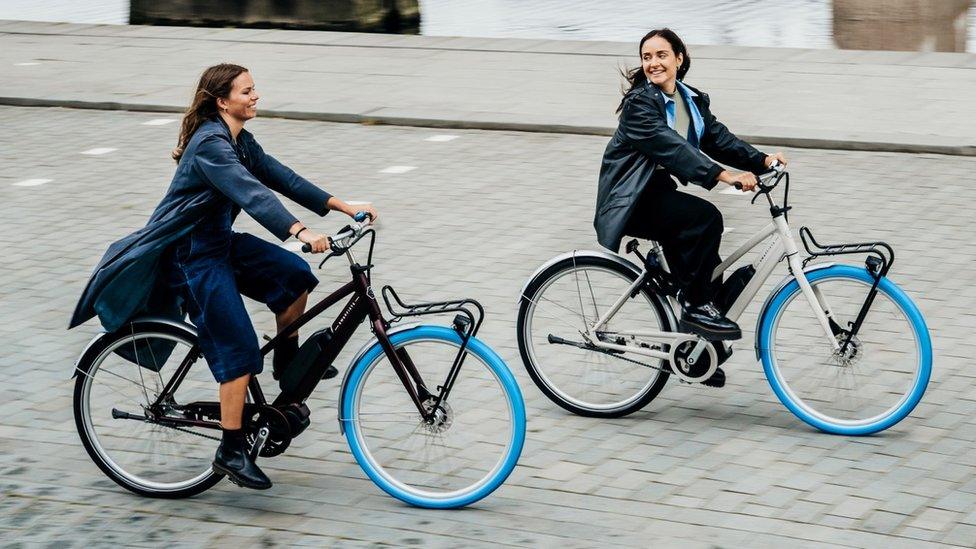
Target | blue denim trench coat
(212,171)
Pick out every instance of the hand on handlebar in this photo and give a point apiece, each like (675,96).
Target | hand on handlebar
(744,181)
(314,242)
(367,209)
(775,158)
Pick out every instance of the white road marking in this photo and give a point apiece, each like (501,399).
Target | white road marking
(292,245)
(30,64)
(159,122)
(398,169)
(31,182)
(728,230)
(99,151)
(441,138)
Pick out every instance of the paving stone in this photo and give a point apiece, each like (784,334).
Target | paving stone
(727,467)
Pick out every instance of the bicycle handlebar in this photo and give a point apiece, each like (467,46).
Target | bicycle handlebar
(775,169)
(340,242)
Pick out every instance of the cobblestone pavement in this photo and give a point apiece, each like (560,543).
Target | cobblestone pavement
(698,467)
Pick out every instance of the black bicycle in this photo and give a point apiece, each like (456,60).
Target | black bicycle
(433,416)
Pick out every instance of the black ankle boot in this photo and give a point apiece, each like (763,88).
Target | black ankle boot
(707,321)
(232,459)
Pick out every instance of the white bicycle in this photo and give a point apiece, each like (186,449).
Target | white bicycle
(843,347)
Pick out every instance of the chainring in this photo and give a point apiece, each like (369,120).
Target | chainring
(701,370)
(280,430)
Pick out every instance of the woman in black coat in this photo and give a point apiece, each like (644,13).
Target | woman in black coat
(666,130)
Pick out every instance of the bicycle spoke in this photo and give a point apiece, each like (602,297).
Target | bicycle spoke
(589,284)
(873,376)
(147,454)
(583,378)
(461,443)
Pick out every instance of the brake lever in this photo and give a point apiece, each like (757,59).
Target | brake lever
(332,253)
(762,190)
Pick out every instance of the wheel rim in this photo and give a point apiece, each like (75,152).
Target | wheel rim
(393,441)
(855,390)
(619,383)
(145,456)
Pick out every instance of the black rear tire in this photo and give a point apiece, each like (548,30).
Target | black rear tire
(93,356)
(657,307)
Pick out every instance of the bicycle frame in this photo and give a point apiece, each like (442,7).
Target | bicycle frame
(361,305)
(782,246)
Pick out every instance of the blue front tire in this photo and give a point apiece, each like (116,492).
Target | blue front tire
(876,383)
(467,453)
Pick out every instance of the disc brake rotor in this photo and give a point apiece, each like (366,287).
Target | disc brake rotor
(443,416)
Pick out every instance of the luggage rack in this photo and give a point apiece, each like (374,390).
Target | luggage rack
(467,322)
(879,260)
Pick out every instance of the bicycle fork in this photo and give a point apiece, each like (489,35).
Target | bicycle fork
(819,305)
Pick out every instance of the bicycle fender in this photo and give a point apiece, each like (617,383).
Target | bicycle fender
(359,354)
(623,262)
(576,253)
(769,299)
(99,337)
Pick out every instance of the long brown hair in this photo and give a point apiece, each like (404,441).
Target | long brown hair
(636,77)
(216,81)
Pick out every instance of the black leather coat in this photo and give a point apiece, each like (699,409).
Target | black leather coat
(643,141)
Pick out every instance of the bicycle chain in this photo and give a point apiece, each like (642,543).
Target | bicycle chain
(218,439)
(148,420)
(665,369)
(615,355)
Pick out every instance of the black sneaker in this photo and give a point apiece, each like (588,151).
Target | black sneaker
(707,321)
(236,463)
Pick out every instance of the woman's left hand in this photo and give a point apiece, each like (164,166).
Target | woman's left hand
(368,208)
(775,157)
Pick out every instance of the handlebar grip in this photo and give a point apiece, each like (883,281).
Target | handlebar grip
(361,216)
(738,186)
(306,248)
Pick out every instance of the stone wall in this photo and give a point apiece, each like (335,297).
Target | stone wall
(337,15)
(904,25)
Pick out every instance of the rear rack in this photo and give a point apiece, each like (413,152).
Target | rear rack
(879,260)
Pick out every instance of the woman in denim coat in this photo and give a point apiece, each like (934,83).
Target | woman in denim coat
(187,257)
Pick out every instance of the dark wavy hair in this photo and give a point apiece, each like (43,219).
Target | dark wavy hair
(216,81)
(636,77)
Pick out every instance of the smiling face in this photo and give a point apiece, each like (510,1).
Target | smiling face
(660,63)
(242,101)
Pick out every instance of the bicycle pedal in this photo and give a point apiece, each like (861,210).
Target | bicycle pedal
(717,381)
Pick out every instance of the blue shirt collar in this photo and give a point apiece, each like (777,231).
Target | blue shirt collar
(685,91)
(696,118)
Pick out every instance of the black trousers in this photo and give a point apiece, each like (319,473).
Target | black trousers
(690,231)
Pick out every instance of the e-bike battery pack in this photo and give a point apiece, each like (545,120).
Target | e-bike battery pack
(733,286)
(311,356)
